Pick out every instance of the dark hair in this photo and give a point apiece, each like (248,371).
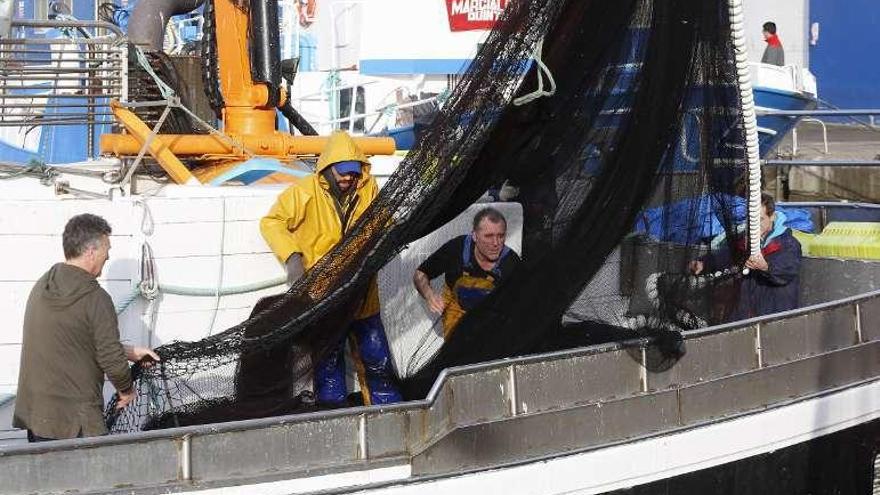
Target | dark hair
(492,214)
(770,27)
(81,232)
(768,202)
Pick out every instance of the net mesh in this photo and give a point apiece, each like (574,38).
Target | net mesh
(644,134)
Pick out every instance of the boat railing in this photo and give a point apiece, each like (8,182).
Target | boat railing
(792,78)
(870,112)
(61,73)
(521,409)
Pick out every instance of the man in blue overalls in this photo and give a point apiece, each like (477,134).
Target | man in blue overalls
(473,265)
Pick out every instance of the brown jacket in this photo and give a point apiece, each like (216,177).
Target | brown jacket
(71,340)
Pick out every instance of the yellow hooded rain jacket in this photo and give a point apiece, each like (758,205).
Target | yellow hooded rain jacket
(304,218)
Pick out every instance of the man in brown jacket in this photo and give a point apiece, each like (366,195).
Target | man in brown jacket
(71,340)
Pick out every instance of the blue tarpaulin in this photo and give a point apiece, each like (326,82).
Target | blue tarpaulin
(695,219)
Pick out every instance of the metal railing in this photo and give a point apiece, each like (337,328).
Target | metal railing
(819,113)
(811,351)
(809,114)
(821,163)
(64,79)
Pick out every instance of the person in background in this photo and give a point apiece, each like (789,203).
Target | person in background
(71,340)
(773,53)
(307,220)
(773,282)
(473,265)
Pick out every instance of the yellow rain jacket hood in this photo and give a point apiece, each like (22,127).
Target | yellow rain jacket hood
(342,148)
(304,218)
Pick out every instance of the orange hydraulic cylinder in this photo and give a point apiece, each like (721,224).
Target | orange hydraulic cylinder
(245,102)
(277,144)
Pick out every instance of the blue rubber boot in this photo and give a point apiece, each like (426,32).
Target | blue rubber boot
(376,357)
(330,387)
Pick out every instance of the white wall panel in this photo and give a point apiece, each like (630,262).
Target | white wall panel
(10,354)
(194,325)
(201,239)
(202,271)
(191,210)
(184,232)
(27,257)
(424,24)
(12,302)
(49,217)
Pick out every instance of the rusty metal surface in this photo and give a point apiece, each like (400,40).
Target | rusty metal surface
(761,388)
(559,383)
(536,435)
(709,357)
(825,279)
(428,424)
(479,397)
(386,434)
(870,319)
(812,333)
(286,447)
(107,467)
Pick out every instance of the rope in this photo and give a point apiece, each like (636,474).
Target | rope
(179,290)
(166,90)
(122,305)
(45,172)
(172,100)
(149,287)
(220,264)
(153,132)
(542,71)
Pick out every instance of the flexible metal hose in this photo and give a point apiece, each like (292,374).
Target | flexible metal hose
(750,122)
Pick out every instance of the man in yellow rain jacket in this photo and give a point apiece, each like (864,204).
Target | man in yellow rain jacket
(307,220)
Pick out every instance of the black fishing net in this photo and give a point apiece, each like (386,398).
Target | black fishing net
(624,175)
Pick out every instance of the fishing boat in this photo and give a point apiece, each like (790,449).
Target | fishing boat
(748,398)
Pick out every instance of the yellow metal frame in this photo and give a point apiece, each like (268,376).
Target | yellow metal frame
(139,133)
(248,121)
(278,144)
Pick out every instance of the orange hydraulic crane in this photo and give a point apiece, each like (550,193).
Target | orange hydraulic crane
(248,68)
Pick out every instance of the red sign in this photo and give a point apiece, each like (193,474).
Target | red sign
(470,15)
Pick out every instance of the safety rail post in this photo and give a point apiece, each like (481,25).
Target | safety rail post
(512,391)
(759,349)
(184,445)
(857,307)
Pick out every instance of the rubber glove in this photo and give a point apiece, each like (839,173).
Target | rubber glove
(295,269)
